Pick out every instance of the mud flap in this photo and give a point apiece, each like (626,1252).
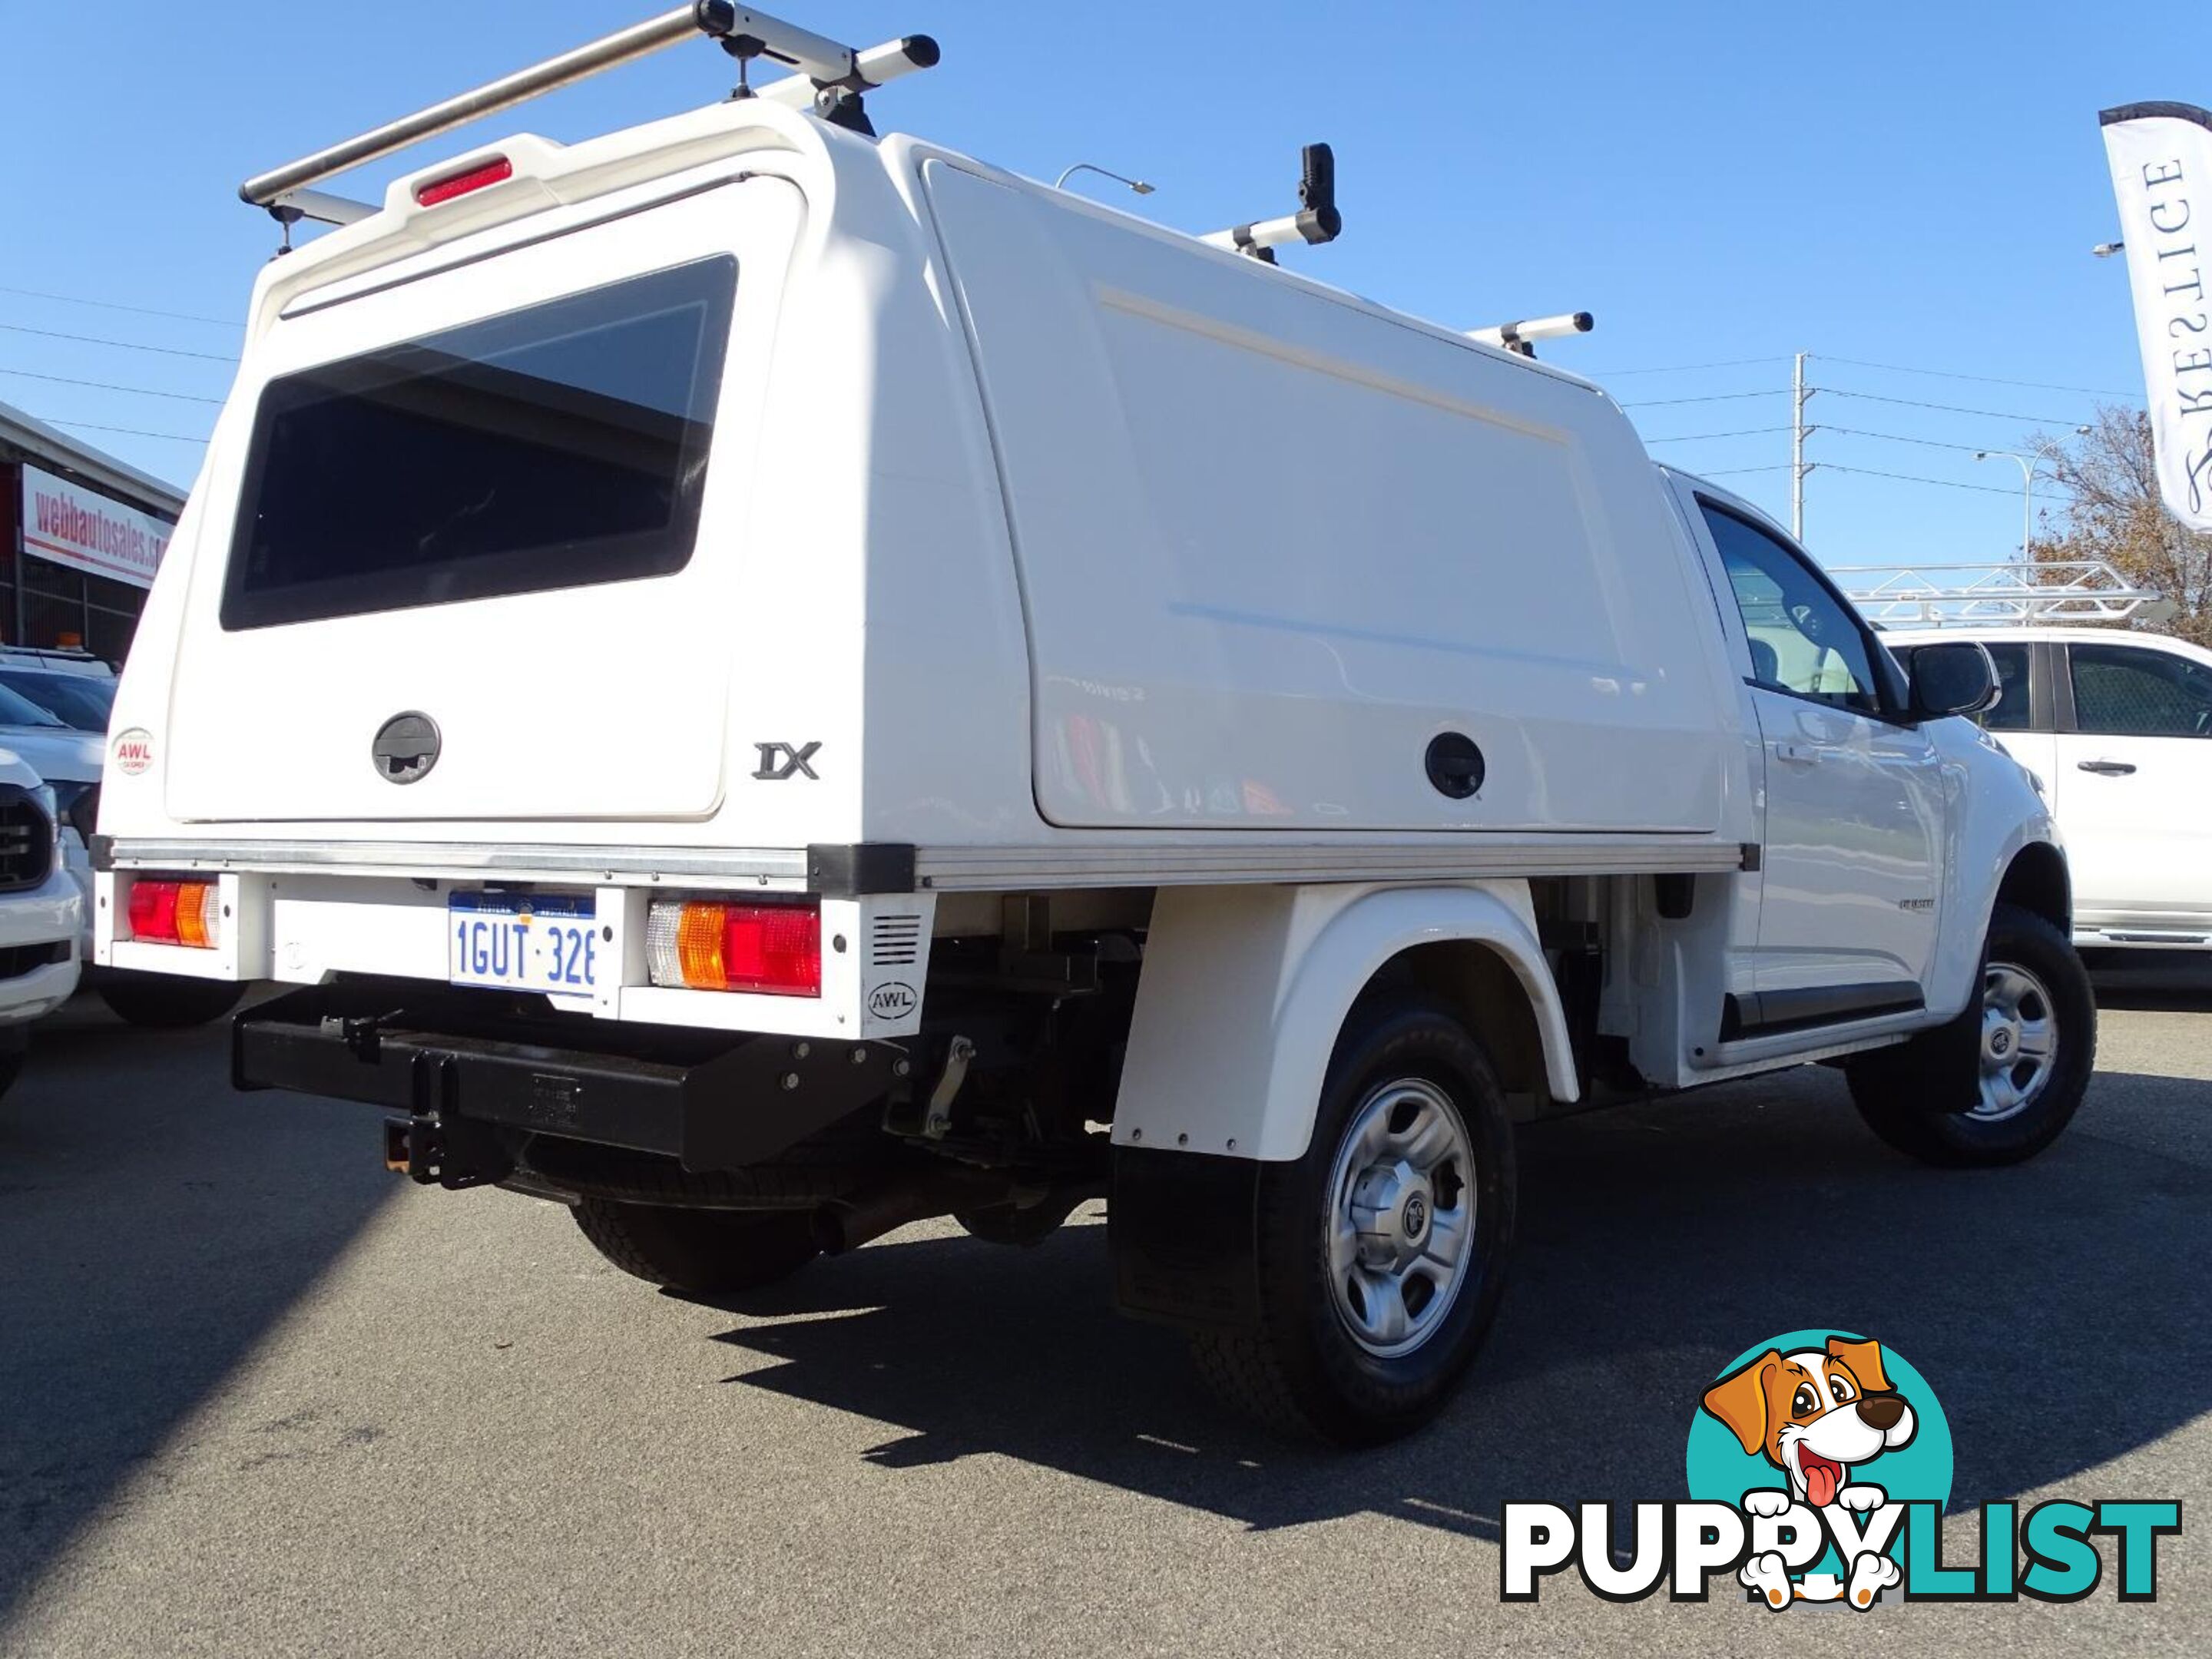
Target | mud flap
(1940,1069)
(1184,1231)
(1952,1058)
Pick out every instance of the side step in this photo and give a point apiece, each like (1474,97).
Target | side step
(451,1059)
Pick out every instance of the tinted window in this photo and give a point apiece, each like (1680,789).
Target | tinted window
(2011,713)
(1802,639)
(2124,690)
(84,701)
(16,709)
(548,448)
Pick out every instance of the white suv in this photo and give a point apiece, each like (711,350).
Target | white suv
(2116,727)
(41,914)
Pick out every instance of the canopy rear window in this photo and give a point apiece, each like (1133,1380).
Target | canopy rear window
(554,447)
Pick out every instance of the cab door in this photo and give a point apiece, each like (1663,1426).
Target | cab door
(1856,812)
(2132,775)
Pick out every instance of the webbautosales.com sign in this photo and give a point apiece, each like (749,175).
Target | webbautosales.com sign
(72,526)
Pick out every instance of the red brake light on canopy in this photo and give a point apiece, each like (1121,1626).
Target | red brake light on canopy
(460,184)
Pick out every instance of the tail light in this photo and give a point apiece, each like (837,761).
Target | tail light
(176,912)
(496,171)
(772,949)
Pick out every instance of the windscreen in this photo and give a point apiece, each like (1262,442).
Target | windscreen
(16,709)
(554,447)
(84,701)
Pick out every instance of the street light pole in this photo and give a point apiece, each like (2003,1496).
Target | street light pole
(1798,394)
(2027,465)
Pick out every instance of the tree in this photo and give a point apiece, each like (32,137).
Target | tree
(2115,515)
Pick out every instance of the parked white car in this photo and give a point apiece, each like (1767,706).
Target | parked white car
(71,761)
(2117,726)
(1127,716)
(41,912)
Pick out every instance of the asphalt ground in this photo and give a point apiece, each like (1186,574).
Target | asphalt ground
(258,1397)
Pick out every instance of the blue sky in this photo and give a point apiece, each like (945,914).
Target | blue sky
(1910,186)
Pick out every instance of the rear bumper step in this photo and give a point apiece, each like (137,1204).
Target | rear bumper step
(466,1065)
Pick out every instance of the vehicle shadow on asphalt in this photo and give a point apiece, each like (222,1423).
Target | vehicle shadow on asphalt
(153,1227)
(2057,1309)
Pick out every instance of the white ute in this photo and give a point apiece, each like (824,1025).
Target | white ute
(829,684)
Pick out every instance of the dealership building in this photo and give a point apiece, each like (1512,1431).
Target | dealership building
(81,533)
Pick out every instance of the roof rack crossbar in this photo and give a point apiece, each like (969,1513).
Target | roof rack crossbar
(823,66)
(1520,337)
(2055,590)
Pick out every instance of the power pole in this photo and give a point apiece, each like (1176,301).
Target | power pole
(1798,469)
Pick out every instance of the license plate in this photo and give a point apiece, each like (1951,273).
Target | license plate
(531,942)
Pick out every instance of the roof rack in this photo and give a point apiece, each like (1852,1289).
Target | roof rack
(1520,337)
(1316,221)
(1954,595)
(829,80)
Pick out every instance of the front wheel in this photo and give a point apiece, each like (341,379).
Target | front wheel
(2035,1046)
(1381,1252)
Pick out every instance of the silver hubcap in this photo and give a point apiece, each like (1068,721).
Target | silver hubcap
(2020,1041)
(1400,1216)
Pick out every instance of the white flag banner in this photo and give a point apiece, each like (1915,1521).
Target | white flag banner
(2161,159)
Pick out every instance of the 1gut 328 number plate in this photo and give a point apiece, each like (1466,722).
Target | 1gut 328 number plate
(530,942)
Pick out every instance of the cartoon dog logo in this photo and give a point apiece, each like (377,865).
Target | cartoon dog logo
(1816,1414)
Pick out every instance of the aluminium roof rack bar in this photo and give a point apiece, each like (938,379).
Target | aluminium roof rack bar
(2054,591)
(1520,336)
(322,207)
(1316,221)
(822,64)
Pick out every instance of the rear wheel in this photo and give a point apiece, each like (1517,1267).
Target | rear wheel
(707,1252)
(165,1001)
(2034,1048)
(1381,1251)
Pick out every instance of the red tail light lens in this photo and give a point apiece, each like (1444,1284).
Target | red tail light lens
(772,949)
(175,913)
(435,191)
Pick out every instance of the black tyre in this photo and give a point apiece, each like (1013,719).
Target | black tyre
(2034,1049)
(1381,1251)
(11,1067)
(166,1002)
(705,1252)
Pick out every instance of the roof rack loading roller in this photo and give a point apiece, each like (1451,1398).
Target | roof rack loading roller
(818,61)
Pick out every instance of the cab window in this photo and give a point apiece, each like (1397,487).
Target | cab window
(1803,640)
(2011,713)
(2126,691)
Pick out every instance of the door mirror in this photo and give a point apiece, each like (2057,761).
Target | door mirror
(1954,678)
